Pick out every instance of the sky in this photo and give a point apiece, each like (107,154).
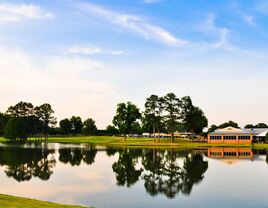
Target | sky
(85,56)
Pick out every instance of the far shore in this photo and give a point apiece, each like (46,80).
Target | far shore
(139,142)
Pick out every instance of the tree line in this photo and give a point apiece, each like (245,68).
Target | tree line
(166,114)
(162,114)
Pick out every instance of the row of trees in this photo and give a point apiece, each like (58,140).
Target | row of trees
(23,120)
(162,114)
(235,125)
(75,126)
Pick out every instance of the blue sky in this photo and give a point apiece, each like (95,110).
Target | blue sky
(84,57)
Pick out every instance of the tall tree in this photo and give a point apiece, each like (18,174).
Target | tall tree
(150,111)
(16,128)
(77,124)
(126,116)
(3,121)
(112,130)
(66,126)
(172,107)
(21,109)
(193,117)
(90,127)
(45,114)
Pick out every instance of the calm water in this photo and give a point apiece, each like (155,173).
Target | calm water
(101,177)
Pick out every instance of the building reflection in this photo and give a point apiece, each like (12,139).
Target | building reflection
(230,153)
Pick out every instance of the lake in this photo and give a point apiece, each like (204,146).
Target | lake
(120,177)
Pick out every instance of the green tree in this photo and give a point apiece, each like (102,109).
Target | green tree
(126,116)
(90,127)
(266,137)
(261,125)
(249,126)
(21,109)
(193,117)
(45,114)
(65,126)
(227,124)
(212,128)
(3,121)
(112,130)
(172,106)
(16,128)
(77,124)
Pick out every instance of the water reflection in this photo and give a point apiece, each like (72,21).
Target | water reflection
(24,163)
(75,155)
(160,172)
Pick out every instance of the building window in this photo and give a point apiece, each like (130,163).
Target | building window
(229,137)
(244,137)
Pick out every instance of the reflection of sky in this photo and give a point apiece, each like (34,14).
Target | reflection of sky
(241,184)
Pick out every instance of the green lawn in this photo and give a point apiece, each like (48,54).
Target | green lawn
(139,142)
(19,202)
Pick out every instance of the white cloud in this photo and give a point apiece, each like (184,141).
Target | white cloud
(90,50)
(86,50)
(150,1)
(18,12)
(67,82)
(134,24)
(221,33)
(249,20)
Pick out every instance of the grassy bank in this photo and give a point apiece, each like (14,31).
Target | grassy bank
(19,202)
(139,142)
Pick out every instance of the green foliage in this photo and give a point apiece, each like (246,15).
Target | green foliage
(45,114)
(249,126)
(193,117)
(111,130)
(65,126)
(21,109)
(227,124)
(77,124)
(172,106)
(16,128)
(266,137)
(126,116)
(3,121)
(90,127)
(212,128)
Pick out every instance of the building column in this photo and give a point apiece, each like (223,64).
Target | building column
(222,138)
(237,139)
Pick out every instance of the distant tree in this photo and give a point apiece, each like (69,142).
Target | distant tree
(90,127)
(126,116)
(151,108)
(21,109)
(212,128)
(266,137)
(16,128)
(249,126)
(136,128)
(261,125)
(111,130)
(227,124)
(66,126)
(193,117)
(77,124)
(3,121)
(45,114)
(172,107)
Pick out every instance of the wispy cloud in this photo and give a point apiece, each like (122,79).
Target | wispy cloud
(18,12)
(91,50)
(150,1)
(134,23)
(221,33)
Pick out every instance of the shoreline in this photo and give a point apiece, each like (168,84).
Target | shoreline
(112,141)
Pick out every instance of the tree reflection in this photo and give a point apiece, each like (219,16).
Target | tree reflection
(163,172)
(124,168)
(24,163)
(171,172)
(76,155)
